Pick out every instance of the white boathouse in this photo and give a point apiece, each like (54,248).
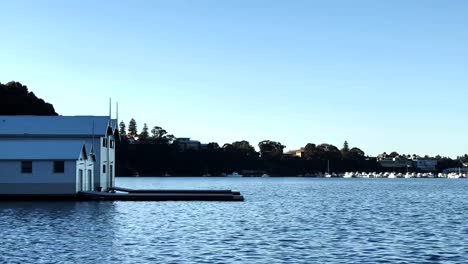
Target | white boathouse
(56,155)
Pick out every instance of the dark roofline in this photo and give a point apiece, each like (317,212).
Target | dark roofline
(83,153)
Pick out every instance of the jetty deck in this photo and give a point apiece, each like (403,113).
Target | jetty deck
(168,191)
(126,194)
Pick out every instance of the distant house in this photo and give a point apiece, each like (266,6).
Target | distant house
(396,163)
(56,154)
(407,162)
(425,164)
(184,144)
(295,153)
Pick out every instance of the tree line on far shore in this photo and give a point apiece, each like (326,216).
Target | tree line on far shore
(157,153)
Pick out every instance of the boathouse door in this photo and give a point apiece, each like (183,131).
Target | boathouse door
(80,180)
(90,180)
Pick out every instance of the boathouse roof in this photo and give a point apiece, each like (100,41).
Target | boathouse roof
(26,126)
(44,149)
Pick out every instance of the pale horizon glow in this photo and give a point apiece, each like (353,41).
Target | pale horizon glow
(383,75)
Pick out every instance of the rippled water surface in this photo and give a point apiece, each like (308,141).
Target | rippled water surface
(283,220)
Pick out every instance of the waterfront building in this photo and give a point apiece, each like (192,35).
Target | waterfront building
(425,164)
(396,163)
(56,155)
(399,162)
(295,153)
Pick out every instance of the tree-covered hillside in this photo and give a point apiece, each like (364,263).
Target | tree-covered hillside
(15,99)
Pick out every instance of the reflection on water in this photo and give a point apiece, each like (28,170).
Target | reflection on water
(300,220)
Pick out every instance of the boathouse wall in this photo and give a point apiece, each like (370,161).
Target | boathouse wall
(41,180)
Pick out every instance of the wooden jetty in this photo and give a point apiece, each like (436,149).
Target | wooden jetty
(125,194)
(119,189)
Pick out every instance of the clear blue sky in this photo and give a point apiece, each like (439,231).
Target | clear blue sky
(385,75)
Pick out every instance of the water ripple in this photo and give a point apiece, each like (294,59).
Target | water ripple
(284,220)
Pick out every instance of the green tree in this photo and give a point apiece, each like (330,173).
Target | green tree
(122,128)
(310,151)
(228,147)
(447,162)
(345,150)
(132,127)
(158,132)
(144,135)
(356,154)
(160,136)
(270,149)
(212,146)
(345,147)
(242,147)
(330,152)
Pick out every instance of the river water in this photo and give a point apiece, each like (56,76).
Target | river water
(283,220)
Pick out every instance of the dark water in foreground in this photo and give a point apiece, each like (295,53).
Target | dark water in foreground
(283,220)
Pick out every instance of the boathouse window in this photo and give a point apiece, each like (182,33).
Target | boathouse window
(111,143)
(104,168)
(110,170)
(59,166)
(104,142)
(26,167)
